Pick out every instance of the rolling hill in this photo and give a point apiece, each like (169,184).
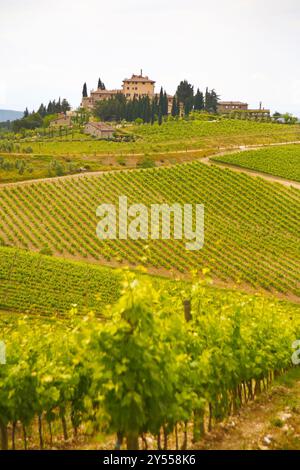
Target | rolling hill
(9,115)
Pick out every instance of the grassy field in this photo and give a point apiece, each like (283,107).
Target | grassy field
(47,166)
(173,135)
(278,161)
(170,143)
(251,226)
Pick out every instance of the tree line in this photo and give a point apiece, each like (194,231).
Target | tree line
(190,101)
(54,107)
(119,108)
(154,109)
(37,119)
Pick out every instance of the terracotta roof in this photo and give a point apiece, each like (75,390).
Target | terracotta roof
(138,78)
(105,92)
(231,103)
(101,126)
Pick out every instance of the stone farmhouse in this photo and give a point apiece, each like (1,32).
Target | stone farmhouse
(229,106)
(61,120)
(99,129)
(135,87)
(225,107)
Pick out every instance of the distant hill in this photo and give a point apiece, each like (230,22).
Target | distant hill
(8,115)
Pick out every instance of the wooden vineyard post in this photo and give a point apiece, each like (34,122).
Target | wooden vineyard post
(187,310)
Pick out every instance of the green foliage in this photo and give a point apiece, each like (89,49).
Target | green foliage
(211,101)
(19,165)
(146,162)
(289,118)
(175,107)
(144,368)
(36,120)
(32,121)
(27,149)
(56,169)
(185,95)
(199,101)
(48,118)
(118,108)
(65,106)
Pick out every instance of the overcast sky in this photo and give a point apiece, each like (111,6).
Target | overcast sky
(247,50)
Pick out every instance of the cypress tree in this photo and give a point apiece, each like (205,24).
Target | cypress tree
(42,110)
(214,98)
(199,101)
(139,108)
(147,109)
(211,101)
(185,95)
(154,109)
(135,107)
(159,117)
(129,111)
(101,85)
(65,106)
(84,91)
(165,109)
(161,102)
(207,100)
(58,106)
(174,110)
(50,108)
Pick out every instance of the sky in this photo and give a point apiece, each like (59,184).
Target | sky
(248,50)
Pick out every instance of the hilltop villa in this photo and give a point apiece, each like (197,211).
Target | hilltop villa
(140,86)
(135,87)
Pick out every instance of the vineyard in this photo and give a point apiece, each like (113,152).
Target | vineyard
(278,161)
(172,136)
(33,283)
(48,287)
(144,371)
(251,226)
(43,155)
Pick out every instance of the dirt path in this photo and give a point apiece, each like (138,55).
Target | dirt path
(240,169)
(206,160)
(270,422)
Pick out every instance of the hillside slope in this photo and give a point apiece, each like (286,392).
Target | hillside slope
(251,226)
